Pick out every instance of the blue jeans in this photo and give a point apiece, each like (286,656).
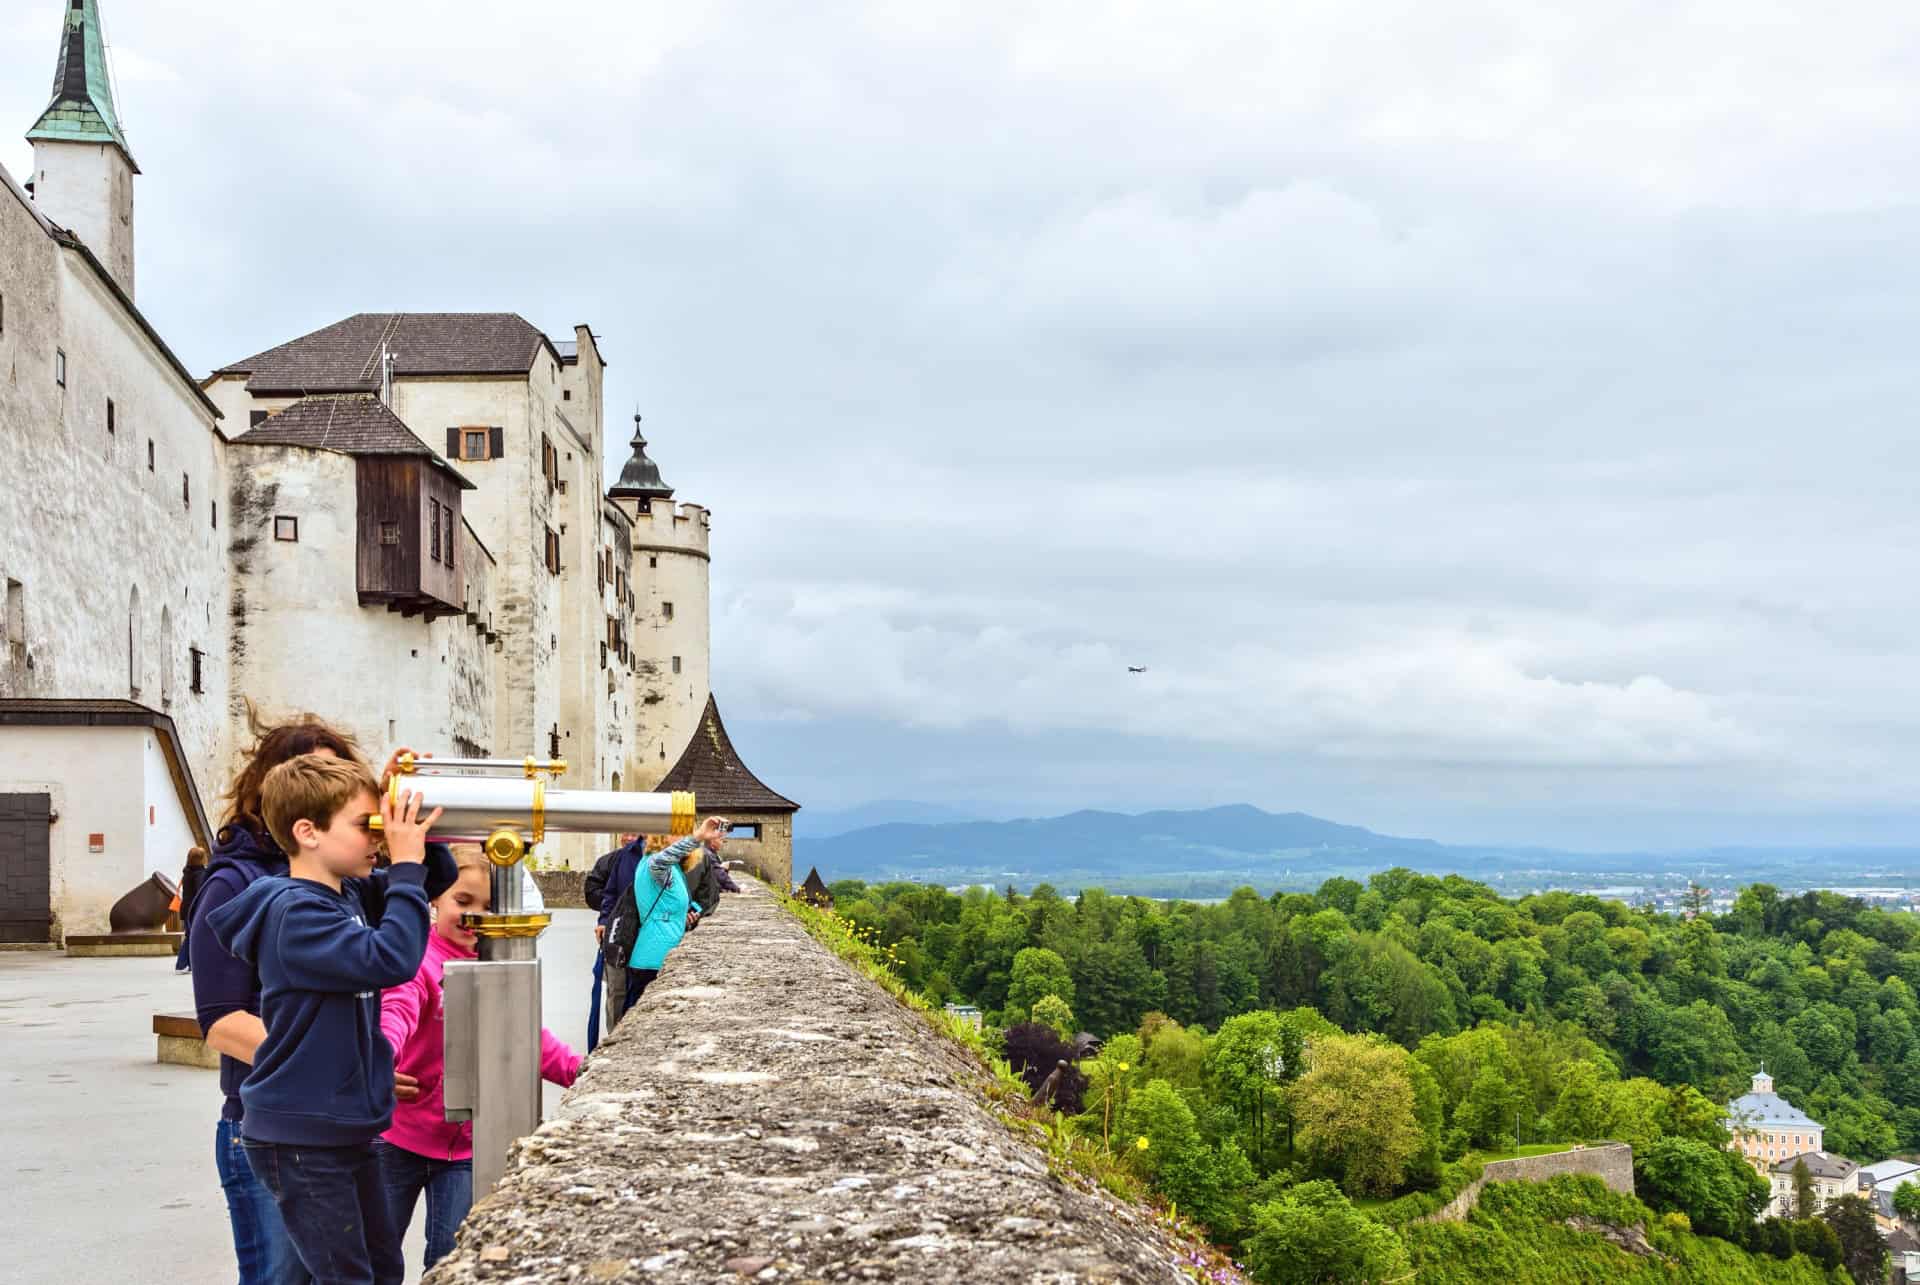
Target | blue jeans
(449,1188)
(259,1237)
(335,1210)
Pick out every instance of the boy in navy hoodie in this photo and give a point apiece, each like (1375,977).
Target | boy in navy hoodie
(321,1087)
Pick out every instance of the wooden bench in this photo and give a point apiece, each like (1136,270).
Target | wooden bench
(112,945)
(177,1037)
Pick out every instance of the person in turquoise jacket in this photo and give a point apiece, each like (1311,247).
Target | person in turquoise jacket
(652,914)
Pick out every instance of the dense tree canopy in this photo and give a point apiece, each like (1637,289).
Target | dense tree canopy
(1819,986)
(1303,1074)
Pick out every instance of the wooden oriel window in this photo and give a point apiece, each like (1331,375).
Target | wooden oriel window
(446,520)
(433,517)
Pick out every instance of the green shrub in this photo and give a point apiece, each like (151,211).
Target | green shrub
(1454,1179)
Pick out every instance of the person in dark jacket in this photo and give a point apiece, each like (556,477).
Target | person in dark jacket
(191,877)
(322,1084)
(226,991)
(613,972)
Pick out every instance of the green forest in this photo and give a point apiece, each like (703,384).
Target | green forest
(1306,1075)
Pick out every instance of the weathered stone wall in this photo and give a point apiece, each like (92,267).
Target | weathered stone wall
(767,1113)
(1611,1162)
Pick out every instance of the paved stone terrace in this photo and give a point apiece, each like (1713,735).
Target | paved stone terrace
(768,1113)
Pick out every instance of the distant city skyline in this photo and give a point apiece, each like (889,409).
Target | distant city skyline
(1487,425)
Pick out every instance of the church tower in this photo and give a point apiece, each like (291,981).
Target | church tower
(670,630)
(82,167)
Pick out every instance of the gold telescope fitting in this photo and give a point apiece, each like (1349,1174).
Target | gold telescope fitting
(506,925)
(555,768)
(539,812)
(682,824)
(505,847)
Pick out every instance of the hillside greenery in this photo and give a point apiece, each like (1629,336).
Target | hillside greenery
(1327,1069)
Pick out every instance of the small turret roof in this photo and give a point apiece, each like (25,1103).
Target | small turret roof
(82,109)
(720,782)
(640,479)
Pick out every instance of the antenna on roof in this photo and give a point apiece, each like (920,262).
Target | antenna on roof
(387,356)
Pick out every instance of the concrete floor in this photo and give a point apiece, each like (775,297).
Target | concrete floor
(108,1158)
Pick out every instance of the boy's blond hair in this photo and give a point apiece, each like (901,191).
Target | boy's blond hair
(469,856)
(310,787)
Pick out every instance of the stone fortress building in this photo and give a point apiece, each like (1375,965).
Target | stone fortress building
(392,522)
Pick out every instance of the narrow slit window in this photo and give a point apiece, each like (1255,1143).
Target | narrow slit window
(286,529)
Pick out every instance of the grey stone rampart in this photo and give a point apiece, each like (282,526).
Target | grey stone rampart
(768,1113)
(1611,1162)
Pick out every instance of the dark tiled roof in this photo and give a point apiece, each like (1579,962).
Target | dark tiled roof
(352,424)
(345,357)
(1819,1164)
(713,771)
(1901,1241)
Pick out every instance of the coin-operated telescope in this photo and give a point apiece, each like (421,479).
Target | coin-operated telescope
(492,1005)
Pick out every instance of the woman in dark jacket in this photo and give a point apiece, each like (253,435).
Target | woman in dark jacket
(226,992)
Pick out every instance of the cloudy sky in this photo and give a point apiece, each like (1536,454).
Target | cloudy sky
(1487,421)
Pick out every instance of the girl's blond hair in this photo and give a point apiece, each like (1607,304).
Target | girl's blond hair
(468,856)
(661,842)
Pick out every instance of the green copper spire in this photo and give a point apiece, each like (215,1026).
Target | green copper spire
(82,107)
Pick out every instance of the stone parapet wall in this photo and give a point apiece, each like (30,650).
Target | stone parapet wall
(768,1113)
(1611,1162)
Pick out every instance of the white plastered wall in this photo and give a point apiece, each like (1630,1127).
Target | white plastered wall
(84,521)
(101,781)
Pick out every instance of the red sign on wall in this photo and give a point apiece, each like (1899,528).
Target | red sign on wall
(96,843)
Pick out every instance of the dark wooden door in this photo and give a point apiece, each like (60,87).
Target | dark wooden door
(26,870)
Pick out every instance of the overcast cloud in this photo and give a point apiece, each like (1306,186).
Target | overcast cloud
(1486,421)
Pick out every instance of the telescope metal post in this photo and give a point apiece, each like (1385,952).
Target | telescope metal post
(492,1004)
(493,1021)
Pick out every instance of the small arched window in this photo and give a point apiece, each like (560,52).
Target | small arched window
(166,656)
(133,643)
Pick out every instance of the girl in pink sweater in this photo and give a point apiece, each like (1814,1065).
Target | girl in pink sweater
(422,1151)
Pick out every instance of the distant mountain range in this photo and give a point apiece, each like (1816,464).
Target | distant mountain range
(816,823)
(1212,851)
